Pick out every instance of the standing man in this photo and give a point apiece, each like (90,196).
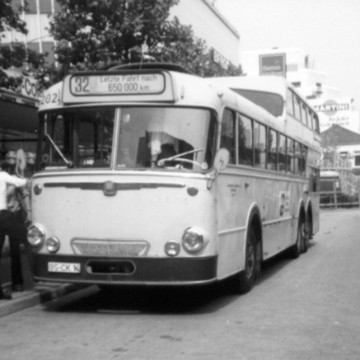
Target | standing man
(9,221)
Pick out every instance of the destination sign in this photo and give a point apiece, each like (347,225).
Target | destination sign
(115,84)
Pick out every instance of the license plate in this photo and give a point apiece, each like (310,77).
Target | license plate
(60,267)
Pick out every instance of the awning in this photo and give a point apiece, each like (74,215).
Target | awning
(17,112)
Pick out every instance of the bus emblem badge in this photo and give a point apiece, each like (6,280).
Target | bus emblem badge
(109,188)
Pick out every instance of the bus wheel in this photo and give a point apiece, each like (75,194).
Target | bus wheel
(298,247)
(244,281)
(307,232)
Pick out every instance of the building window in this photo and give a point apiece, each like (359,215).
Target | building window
(45,6)
(30,7)
(357,160)
(48,50)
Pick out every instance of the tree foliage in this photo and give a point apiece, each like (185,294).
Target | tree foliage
(93,34)
(10,19)
(15,54)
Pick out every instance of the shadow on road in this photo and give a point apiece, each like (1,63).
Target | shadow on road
(163,300)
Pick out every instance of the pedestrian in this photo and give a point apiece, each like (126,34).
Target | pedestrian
(30,164)
(14,206)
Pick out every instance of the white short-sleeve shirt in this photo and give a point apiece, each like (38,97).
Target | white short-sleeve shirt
(6,179)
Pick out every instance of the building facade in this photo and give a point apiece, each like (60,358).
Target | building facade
(220,36)
(296,66)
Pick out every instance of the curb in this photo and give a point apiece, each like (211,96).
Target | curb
(41,293)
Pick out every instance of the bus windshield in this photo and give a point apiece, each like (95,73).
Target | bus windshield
(129,138)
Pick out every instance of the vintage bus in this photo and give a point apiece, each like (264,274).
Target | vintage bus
(153,176)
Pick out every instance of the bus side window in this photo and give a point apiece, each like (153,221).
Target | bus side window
(297,108)
(260,145)
(297,159)
(228,134)
(304,117)
(303,158)
(290,156)
(272,150)
(290,102)
(282,153)
(245,139)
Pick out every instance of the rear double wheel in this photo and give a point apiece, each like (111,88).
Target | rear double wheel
(302,239)
(245,280)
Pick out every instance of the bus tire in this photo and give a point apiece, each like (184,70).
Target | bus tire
(244,281)
(298,247)
(307,234)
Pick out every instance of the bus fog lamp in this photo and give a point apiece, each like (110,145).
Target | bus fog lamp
(193,240)
(52,244)
(35,235)
(172,248)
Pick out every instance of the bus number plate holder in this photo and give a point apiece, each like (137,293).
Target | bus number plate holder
(59,267)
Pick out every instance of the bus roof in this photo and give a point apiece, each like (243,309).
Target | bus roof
(275,84)
(270,83)
(165,83)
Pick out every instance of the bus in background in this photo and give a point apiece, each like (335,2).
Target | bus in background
(148,175)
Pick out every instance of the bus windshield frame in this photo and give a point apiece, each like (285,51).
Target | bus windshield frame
(128,137)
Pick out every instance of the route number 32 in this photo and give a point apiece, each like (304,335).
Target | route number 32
(81,84)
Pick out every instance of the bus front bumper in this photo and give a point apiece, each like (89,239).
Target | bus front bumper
(130,271)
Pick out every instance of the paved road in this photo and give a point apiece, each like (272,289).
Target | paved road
(307,308)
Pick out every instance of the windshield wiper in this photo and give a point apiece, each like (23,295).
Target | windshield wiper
(179,158)
(57,149)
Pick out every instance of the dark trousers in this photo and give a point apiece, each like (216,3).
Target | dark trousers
(12,224)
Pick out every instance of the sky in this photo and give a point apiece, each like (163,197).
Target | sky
(328,30)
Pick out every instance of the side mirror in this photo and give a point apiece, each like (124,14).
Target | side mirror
(221,160)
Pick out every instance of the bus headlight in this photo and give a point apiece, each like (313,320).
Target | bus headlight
(36,235)
(193,240)
(52,244)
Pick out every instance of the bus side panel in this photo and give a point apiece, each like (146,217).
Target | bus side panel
(277,200)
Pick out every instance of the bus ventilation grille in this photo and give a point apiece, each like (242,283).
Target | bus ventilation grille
(110,248)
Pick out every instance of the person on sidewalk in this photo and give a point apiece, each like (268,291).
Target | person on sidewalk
(12,223)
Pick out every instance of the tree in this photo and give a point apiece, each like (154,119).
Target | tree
(94,34)
(15,54)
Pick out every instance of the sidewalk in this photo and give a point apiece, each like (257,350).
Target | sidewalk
(41,292)
(35,292)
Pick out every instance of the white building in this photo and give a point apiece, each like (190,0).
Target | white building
(295,65)
(208,24)
(206,21)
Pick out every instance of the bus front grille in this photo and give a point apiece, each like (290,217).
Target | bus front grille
(110,248)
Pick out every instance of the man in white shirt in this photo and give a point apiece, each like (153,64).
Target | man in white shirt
(6,217)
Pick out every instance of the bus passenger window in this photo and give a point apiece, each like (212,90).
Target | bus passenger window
(245,140)
(297,108)
(282,153)
(290,155)
(303,156)
(297,160)
(228,134)
(304,118)
(260,145)
(290,102)
(272,150)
